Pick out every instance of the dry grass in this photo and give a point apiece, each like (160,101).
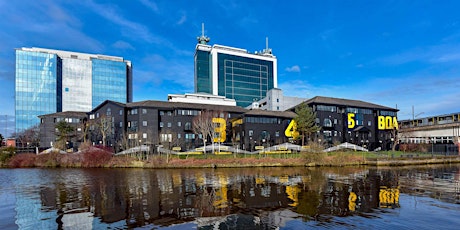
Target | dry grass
(95,157)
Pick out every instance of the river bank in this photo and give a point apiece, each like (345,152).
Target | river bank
(107,160)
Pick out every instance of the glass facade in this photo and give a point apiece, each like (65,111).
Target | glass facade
(50,81)
(203,79)
(109,81)
(244,79)
(76,77)
(36,87)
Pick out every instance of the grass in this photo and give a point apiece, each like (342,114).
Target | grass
(100,158)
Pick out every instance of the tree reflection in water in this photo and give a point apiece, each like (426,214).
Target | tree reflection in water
(261,198)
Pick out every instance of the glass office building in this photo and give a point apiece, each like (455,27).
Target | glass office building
(203,80)
(234,73)
(50,81)
(37,87)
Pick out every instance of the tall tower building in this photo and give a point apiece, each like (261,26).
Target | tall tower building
(233,72)
(50,81)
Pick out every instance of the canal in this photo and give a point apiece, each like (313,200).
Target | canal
(413,197)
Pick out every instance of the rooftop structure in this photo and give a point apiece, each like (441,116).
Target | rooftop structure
(234,72)
(201,98)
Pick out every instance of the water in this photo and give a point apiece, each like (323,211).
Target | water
(248,198)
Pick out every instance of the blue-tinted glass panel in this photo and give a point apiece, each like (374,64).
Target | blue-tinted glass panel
(244,79)
(36,86)
(203,80)
(109,81)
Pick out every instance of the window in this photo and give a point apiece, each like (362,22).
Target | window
(327,108)
(161,124)
(166,137)
(134,111)
(169,125)
(144,135)
(144,123)
(109,111)
(144,111)
(251,132)
(169,113)
(179,124)
(188,126)
(97,115)
(277,133)
(369,123)
(91,116)
(327,122)
(121,112)
(178,136)
(121,124)
(162,113)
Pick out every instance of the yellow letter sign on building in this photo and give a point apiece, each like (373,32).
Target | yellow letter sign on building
(291,130)
(351,120)
(387,122)
(220,129)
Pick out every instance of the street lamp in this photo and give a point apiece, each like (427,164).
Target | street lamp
(432,146)
(415,116)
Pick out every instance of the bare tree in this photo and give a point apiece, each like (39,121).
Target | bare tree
(394,135)
(104,125)
(85,129)
(29,137)
(202,124)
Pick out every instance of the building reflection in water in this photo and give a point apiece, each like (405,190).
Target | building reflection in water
(207,198)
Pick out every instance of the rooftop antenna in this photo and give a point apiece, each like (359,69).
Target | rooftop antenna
(266,43)
(203,39)
(267,50)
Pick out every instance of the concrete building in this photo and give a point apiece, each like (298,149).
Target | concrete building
(276,101)
(50,81)
(233,72)
(48,131)
(362,123)
(169,124)
(440,133)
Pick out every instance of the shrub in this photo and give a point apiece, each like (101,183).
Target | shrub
(4,158)
(22,160)
(52,159)
(85,146)
(95,157)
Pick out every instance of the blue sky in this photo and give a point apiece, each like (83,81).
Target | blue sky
(404,53)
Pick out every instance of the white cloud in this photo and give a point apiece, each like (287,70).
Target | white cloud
(151,5)
(182,20)
(444,53)
(129,28)
(294,68)
(123,45)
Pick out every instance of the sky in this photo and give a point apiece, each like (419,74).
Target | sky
(400,54)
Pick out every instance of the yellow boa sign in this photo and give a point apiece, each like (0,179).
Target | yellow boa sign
(383,122)
(387,122)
